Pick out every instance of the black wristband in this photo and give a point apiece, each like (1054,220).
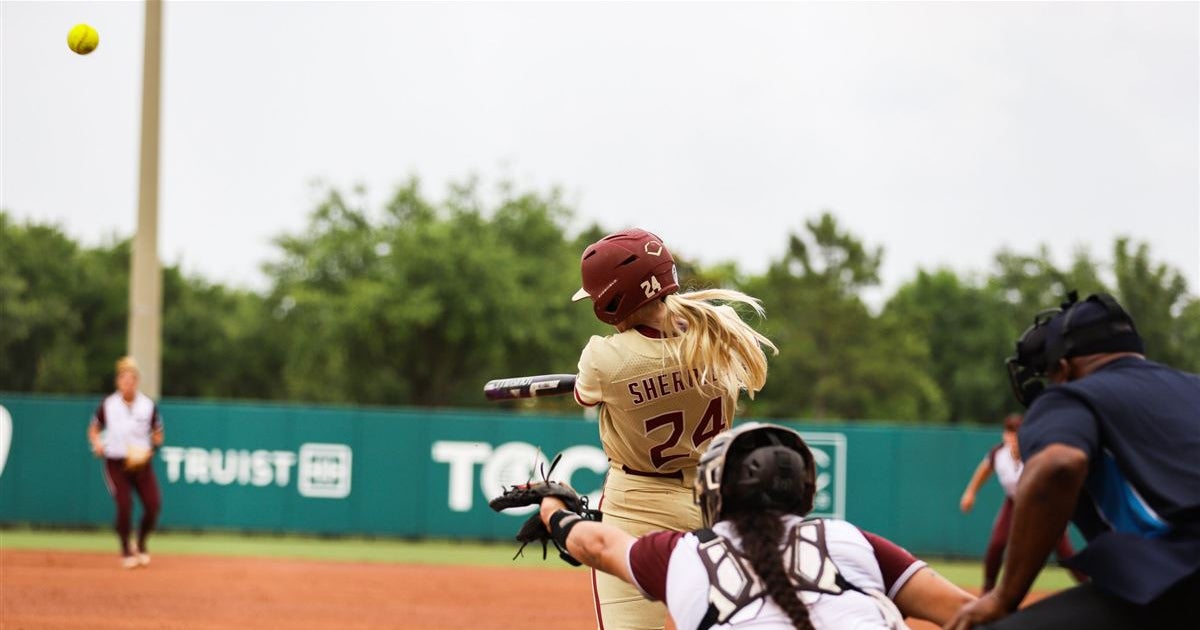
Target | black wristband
(561,523)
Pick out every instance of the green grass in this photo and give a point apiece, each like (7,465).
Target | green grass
(298,547)
(967,574)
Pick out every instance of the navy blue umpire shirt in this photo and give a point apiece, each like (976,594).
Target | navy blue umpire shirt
(1139,423)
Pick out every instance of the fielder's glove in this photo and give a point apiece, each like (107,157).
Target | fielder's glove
(137,457)
(532,493)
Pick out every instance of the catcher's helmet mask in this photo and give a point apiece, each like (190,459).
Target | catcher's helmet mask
(755,466)
(1066,332)
(625,270)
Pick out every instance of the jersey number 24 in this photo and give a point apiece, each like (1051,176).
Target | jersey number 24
(711,423)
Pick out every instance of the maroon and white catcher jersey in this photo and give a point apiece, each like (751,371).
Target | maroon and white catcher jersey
(846,577)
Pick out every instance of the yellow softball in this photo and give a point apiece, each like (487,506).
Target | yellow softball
(83,39)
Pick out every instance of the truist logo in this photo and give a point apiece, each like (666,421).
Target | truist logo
(5,436)
(322,471)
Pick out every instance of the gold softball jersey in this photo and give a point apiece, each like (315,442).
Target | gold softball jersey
(654,418)
(654,424)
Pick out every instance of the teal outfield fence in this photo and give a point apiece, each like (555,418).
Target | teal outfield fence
(429,473)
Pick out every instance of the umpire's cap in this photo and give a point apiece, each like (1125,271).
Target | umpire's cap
(755,466)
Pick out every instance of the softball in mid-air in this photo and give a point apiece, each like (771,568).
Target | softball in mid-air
(83,39)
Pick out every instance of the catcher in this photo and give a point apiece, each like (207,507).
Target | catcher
(124,432)
(757,562)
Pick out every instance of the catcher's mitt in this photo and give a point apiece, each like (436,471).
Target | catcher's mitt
(532,493)
(136,458)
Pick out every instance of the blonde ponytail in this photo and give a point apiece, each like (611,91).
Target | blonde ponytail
(725,351)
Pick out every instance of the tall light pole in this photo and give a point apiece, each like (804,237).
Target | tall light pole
(145,272)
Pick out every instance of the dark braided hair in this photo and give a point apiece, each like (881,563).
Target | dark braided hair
(761,531)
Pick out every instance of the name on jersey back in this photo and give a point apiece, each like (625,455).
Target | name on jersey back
(655,386)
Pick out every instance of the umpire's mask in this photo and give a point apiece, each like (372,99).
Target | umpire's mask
(1093,326)
(1027,368)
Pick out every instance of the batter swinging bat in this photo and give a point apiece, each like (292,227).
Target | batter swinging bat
(529,386)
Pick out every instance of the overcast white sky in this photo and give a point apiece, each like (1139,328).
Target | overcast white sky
(941,131)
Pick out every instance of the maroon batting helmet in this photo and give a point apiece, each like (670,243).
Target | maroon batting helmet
(625,270)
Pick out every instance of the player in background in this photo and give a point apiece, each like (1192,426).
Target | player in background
(124,431)
(1005,460)
(758,563)
(665,384)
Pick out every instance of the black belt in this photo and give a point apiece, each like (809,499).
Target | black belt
(678,474)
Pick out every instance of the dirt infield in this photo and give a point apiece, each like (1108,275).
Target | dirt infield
(54,589)
(50,589)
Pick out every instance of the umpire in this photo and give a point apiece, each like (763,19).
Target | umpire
(1112,442)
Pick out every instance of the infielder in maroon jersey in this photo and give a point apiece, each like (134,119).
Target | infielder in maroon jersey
(757,563)
(665,383)
(1005,460)
(124,432)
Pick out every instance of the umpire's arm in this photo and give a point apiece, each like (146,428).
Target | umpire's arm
(1046,497)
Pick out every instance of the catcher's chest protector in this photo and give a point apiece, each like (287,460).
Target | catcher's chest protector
(734,586)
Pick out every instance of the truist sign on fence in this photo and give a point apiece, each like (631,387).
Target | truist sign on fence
(324,471)
(321,470)
(427,473)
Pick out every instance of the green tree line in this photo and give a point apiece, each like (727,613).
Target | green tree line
(421,301)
